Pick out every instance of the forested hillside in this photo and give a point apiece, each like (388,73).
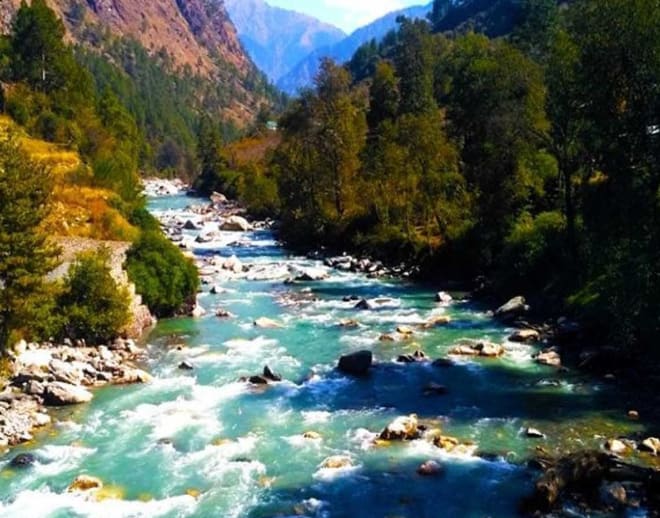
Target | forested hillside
(70,159)
(529,160)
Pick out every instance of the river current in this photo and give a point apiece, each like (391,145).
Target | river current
(202,444)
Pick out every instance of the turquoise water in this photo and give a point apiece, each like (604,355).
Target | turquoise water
(202,444)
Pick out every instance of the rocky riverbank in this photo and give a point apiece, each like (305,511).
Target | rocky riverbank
(46,375)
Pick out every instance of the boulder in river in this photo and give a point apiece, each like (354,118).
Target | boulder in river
(62,394)
(22,461)
(485,349)
(534,433)
(186,366)
(417,356)
(235,224)
(514,308)
(405,330)
(270,375)
(356,364)
(651,445)
(616,446)
(84,483)
(363,305)
(404,428)
(549,357)
(525,336)
(430,468)
(444,297)
(198,311)
(437,321)
(267,323)
(337,462)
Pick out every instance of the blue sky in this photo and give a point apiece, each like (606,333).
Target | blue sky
(346,14)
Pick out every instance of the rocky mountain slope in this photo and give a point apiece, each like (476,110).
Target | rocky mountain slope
(303,73)
(277,39)
(197,36)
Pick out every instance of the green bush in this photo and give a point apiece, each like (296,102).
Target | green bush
(161,274)
(95,307)
(535,248)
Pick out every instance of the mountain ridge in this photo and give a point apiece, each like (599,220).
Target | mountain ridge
(273,50)
(303,73)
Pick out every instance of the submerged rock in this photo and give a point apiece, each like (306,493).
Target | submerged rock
(312,436)
(363,305)
(356,364)
(434,389)
(430,468)
(84,483)
(186,366)
(438,321)
(417,356)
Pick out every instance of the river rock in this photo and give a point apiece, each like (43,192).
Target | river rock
(549,357)
(337,462)
(444,297)
(363,305)
(235,224)
(186,366)
(191,225)
(356,364)
(526,336)
(198,311)
(312,275)
(616,446)
(443,363)
(533,433)
(270,375)
(66,372)
(312,436)
(485,349)
(613,494)
(438,321)
(417,356)
(233,264)
(405,330)
(267,323)
(651,445)
(223,313)
(430,468)
(22,461)
(405,428)
(514,308)
(349,323)
(218,198)
(386,338)
(62,394)
(84,483)
(434,389)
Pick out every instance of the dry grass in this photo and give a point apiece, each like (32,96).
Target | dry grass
(78,210)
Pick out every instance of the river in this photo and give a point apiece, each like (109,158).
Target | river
(202,444)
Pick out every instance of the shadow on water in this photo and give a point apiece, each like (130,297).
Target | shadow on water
(386,489)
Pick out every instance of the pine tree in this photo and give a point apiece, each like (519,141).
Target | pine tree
(26,255)
(39,54)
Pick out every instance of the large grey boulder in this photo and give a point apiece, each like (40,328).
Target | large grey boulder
(516,307)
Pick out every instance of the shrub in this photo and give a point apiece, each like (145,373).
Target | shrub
(95,307)
(161,274)
(535,252)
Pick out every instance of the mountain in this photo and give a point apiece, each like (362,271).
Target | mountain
(277,39)
(303,73)
(194,38)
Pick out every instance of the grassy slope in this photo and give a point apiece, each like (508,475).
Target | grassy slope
(78,208)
